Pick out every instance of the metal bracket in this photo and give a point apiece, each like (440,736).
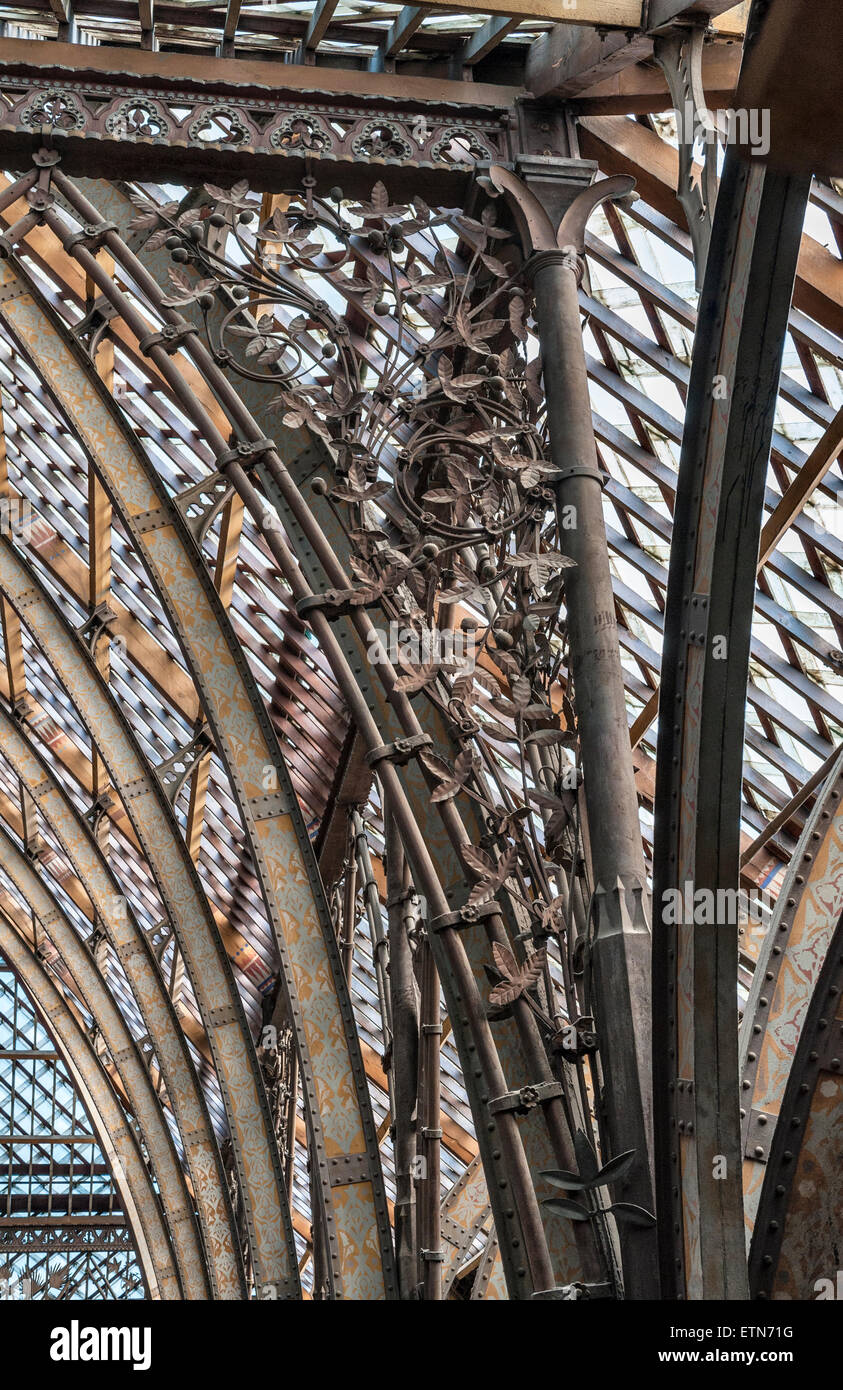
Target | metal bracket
(684,1107)
(697,615)
(21,710)
(202,503)
(349,1168)
(332,602)
(831,1048)
(759,1135)
(266,807)
(91,236)
(679,55)
(158,948)
(400,752)
(435,1257)
(95,625)
(221,1017)
(175,770)
(586,1039)
(98,810)
(526,1099)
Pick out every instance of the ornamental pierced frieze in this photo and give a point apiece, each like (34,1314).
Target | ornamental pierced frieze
(138,119)
(319,130)
(461,145)
(298,133)
(56,109)
(222,125)
(381,140)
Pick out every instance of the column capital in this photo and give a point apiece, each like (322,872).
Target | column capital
(534,209)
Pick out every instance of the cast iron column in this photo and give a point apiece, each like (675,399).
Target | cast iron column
(620,950)
(620,944)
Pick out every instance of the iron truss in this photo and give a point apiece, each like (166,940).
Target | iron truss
(419,565)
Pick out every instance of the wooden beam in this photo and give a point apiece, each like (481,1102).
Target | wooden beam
(626,147)
(566,61)
(485,40)
(229,28)
(398,35)
(642,88)
(792,74)
(323,13)
(807,480)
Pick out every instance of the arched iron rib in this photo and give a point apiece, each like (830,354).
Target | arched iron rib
(334,1080)
(795,1250)
(717,522)
(178,1206)
(85,857)
(116,1140)
(775,1059)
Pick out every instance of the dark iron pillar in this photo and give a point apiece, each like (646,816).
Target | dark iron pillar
(620,946)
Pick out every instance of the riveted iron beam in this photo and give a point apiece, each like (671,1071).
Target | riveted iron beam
(716,529)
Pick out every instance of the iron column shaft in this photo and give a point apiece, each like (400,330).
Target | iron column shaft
(620,951)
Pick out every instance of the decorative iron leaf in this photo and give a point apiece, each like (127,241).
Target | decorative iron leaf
(632,1215)
(562,1206)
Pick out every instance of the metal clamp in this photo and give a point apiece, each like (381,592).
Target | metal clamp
(580,471)
(400,752)
(334,603)
(759,1135)
(465,916)
(435,1257)
(169,338)
(91,236)
(526,1099)
(246,453)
